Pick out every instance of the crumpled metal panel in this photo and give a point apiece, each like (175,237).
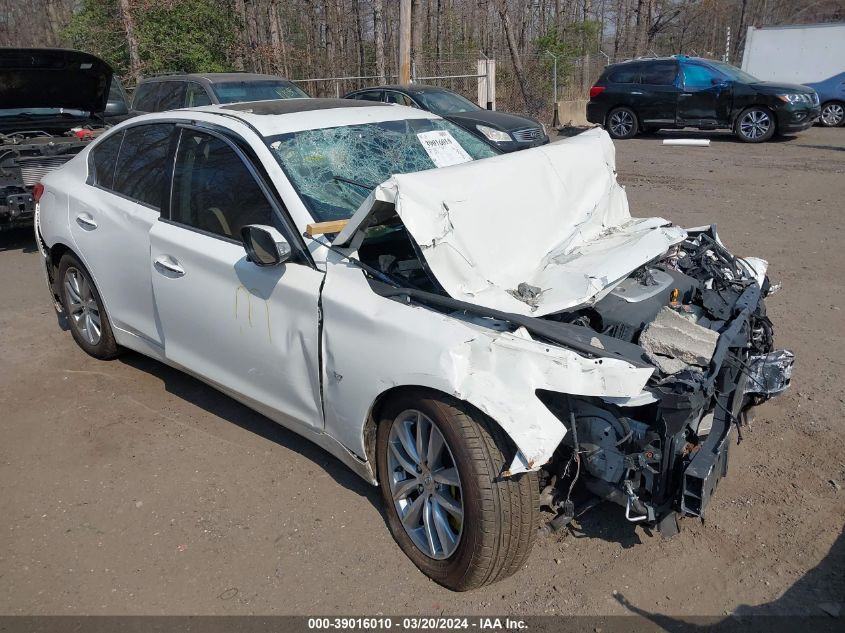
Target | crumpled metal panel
(371,344)
(552,217)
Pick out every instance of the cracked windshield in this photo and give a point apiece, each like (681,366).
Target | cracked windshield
(334,169)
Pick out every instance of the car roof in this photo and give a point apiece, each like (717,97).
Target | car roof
(669,58)
(214,78)
(281,116)
(409,88)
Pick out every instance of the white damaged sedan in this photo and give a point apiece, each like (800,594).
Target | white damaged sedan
(483,336)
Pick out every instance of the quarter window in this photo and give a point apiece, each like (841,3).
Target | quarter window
(103,158)
(142,167)
(170,97)
(212,188)
(628,74)
(145,97)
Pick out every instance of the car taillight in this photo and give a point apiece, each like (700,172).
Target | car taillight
(37,191)
(595,91)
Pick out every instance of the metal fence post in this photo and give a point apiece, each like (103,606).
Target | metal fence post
(556,115)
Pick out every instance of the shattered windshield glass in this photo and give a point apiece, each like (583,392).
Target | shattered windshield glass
(334,169)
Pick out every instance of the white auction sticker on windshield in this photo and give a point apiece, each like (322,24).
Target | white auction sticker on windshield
(442,148)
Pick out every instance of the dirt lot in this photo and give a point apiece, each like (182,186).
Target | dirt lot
(129,488)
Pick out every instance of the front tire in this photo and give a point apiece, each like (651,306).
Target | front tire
(86,315)
(622,123)
(833,114)
(448,507)
(755,125)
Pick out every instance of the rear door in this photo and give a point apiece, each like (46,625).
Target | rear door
(110,223)
(659,88)
(705,98)
(251,330)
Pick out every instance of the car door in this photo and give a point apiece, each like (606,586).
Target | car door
(251,330)
(705,98)
(659,90)
(110,223)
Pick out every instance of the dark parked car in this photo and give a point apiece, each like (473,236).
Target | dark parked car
(507,132)
(173,91)
(831,93)
(645,95)
(53,102)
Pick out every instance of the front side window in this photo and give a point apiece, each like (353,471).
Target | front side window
(443,102)
(212,188)
(699,77)
(145,97)
(236,91)
(103,158)
(195,95)
(142,171)
(334,169)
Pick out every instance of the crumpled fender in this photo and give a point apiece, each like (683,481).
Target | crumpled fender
(372,344)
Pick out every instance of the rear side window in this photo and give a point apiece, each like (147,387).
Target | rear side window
(103,159)
(628,74)
(212,188)
(142,166)
(372,95)
(171,95)
(659,73)
(145,97)
(195,95)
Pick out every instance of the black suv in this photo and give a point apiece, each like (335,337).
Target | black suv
(186,90)
(645,95)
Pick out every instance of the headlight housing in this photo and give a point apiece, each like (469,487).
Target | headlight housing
(795,97)
(492,134)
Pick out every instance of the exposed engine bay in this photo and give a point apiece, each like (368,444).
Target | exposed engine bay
(25,157)
(696,315)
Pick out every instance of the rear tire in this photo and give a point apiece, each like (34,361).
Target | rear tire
(755,125)
(622,123)
(833,114)
(499,515)
(86,315)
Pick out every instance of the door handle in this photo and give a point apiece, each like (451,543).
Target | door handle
(168,266)
(686,94)
(636,92)
(86,221)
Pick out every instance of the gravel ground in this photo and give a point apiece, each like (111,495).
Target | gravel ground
(129,488)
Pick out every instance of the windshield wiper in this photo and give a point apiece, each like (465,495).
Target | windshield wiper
(355,182)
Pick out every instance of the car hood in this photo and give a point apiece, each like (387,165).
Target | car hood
(535,232)
(773,87)
(53,78)
(497,120)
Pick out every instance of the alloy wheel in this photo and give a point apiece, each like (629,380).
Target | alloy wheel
(425,484)
(82,306)
(833,114)
(621,122)
(755,124)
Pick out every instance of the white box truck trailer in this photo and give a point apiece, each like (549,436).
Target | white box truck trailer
(796,54)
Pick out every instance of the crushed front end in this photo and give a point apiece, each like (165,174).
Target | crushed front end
(699,316)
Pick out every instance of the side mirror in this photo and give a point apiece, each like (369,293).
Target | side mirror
(264,245)
(719,82)
(116,108)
